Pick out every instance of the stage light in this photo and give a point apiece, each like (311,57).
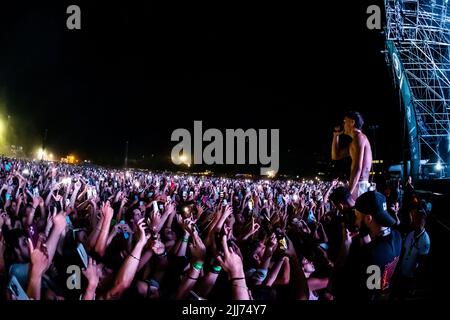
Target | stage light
(438,166)
(26,172)
(183,158)
(40,154)
(271,174)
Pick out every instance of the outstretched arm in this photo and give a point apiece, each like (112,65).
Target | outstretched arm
(128,270)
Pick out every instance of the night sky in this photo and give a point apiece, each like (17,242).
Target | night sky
(140,69)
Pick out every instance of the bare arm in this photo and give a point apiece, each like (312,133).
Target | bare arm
(206,284)
(100,245)
(59,224)
(198,252)
(274,272)
(357,163)
(337,152)
(128,270)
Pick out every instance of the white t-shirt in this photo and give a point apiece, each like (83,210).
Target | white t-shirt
(414,246)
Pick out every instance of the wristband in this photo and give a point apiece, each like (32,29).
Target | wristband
(197,266)
(186,240)
(236,279)
(162,254)
(216,269)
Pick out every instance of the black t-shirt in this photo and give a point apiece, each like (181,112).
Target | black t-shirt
(385,253)
(382,251)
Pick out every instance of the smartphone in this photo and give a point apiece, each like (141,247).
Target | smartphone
(89,192)
(16,289)
(155,206)
(126,235)
(8,197)
(218,237)
(75,231)
(224,203)
(250,205)
(35,192)
(83,255)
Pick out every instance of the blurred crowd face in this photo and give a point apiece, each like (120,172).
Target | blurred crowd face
(308,267)
(259,252)
(417,220)
(22,251)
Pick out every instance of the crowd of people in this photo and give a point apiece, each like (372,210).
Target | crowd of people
(134,234)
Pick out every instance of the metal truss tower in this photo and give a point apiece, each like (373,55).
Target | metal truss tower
(418,49)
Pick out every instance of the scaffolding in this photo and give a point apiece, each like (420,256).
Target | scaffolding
(418,43)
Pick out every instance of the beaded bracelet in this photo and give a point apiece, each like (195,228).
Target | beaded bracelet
(135,257)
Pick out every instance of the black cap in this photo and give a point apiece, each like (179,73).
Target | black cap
(374,203)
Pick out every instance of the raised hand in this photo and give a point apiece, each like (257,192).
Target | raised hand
(170,207)
(58,198)
(231,262)
(50,218)
(106,210)
(197,248)
(143,236)
(36,201)
(77,185)
(92,273)
(59,222)
(155,220)
(250,229)
(123,201)
(39,259)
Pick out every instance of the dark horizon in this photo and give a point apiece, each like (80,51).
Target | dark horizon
(137,72)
